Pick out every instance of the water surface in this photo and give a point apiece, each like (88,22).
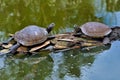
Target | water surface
(101,63)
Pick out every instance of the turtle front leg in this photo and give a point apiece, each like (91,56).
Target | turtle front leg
(14,48)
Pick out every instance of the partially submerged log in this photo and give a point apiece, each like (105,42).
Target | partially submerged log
(60,42)
(67,40)
(63,42)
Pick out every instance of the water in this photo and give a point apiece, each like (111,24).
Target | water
(105,65)
(97,64)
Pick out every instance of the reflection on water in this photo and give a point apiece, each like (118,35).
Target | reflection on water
(58,60)
(68,65)
(13,16)
(105,66)
(108,10)
(26,69)
(2,60)
(2,35)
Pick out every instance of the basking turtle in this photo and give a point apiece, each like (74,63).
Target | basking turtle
(30,36)
(94,30)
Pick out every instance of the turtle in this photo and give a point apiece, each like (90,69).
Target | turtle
(29,36)
(94,30)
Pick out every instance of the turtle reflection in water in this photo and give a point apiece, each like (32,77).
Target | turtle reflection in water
(30,36)
(94,30)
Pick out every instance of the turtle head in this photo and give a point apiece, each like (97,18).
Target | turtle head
(77,29)
(50,27)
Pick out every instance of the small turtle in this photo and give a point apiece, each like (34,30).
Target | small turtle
(94,30)
(30,36)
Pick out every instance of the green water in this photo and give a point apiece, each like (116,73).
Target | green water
(97,64)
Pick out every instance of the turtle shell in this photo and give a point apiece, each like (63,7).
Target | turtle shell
(95,29)
(31,35)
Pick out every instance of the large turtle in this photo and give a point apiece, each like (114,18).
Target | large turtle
(94,30)
(31,35)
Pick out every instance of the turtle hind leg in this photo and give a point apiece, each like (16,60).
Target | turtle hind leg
(14,48)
